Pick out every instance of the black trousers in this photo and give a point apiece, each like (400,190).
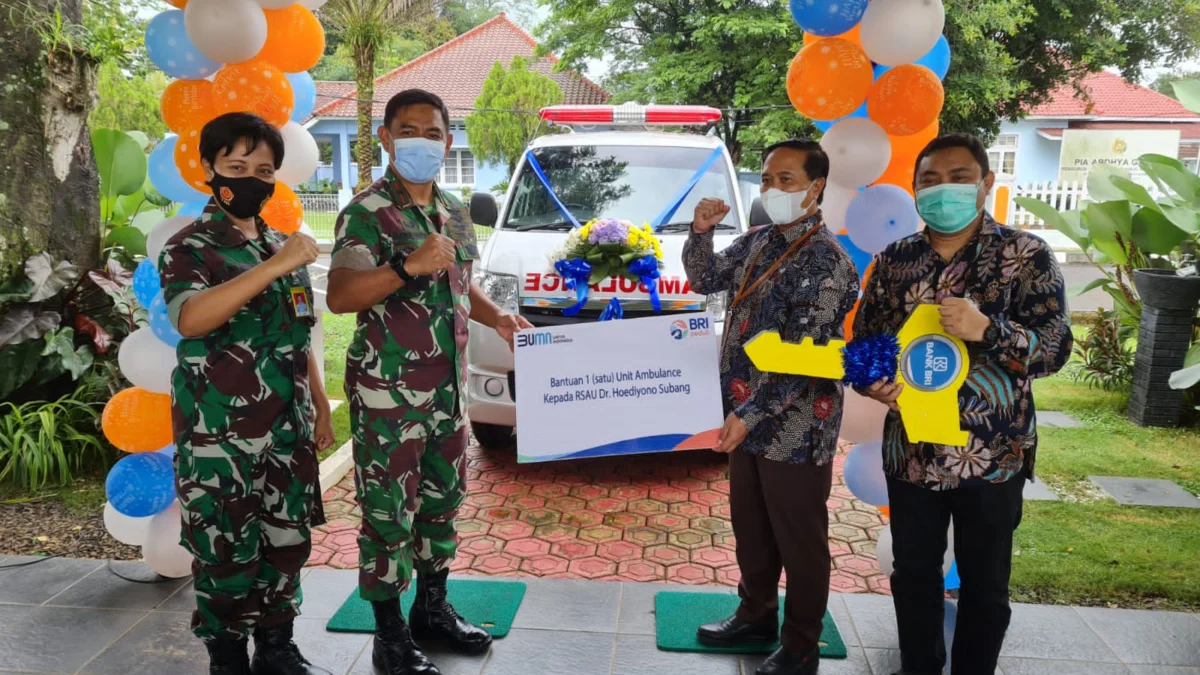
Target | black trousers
(781,521)
(984,520)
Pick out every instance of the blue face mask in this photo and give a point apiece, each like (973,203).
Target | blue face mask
(949,208)
(418,159)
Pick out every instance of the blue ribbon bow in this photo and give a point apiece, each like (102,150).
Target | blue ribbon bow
(646,270)
(575,274)
(613,311)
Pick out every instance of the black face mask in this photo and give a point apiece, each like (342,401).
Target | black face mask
(241,197)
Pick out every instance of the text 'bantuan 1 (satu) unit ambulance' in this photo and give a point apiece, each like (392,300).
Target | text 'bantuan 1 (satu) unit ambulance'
(617,162)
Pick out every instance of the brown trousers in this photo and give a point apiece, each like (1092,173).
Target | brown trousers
(781,522)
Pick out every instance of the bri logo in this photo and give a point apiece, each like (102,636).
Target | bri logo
(931,363)
(534,339)
(679,329)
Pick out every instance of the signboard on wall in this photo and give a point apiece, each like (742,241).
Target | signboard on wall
(1083,149)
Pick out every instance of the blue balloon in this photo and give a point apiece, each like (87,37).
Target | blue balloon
(936,59)
(192,209)
(168,451)
(160,323)
(880,215)
(864,474)
(170,48)
(952,580)
(861,258)
(141,485)
(826,125)
(146,284)
(166,177)
(828,18)
(306,95)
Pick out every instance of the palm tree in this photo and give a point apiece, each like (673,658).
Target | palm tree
(366,26)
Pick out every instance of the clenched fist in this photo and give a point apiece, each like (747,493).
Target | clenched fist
(709,212)
(300,250)
(435,255)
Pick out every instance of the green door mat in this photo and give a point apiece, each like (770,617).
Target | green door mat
(490,604)
(679,614)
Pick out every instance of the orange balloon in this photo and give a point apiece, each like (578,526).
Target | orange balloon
(905,150)
(851,35)
(187,158)
(188,104)
(848,329)
(254,87)
(885,511)
(295,39)
(829,79)
(136,420)
(178,3)
(906,100)
(284,212)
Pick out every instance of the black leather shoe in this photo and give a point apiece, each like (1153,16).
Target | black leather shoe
(782,662)
(434,620)
(276,654)
(733,632)
(227,656)
(395,651)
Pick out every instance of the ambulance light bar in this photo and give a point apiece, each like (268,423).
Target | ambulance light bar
(631,114)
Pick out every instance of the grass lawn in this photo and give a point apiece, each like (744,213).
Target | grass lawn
(1087,549)
(339,330)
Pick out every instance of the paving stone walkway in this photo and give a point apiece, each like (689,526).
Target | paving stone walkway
(649,518)
(60,617)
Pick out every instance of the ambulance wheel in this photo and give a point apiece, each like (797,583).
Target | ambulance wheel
(492,436)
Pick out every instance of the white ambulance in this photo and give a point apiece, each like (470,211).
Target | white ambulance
(611,163)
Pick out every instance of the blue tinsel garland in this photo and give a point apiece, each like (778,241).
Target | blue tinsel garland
(870,359)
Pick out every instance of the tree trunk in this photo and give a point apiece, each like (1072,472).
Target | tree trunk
(364,148)
(49,185)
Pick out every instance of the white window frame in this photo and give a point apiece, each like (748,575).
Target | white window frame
(998,152)
(455,162)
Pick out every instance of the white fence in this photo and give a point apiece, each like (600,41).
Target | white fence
(1061,196)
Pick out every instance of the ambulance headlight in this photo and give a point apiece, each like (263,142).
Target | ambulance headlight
(501,288)
(717,302)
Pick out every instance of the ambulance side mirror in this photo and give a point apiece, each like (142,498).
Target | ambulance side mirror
(758,214)
(483,209)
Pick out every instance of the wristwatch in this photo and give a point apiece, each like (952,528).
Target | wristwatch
(410,282)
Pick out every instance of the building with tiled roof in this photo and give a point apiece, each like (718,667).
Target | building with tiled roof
(1031,150)
(455,71)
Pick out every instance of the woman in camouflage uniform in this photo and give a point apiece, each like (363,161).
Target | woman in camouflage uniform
(243,405)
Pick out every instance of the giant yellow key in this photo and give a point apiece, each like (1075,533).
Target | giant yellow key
(933,366)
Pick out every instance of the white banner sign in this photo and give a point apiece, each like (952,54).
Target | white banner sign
(1083,149)
(617,388)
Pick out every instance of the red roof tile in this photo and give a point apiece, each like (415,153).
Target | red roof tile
(1110,95)
(457,70)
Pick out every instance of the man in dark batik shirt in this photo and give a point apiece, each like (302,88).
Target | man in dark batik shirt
(1001,292)
(781,431)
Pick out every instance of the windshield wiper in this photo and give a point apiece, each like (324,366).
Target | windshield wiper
(560,225)
(680,227)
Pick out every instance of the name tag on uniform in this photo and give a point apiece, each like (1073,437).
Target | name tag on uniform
(300,302)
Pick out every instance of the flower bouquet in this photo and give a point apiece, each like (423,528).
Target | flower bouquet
(606,248)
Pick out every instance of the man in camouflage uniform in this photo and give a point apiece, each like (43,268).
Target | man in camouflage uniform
(243,407)
(402,261)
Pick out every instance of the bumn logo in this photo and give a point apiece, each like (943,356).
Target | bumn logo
(534,339)
(679,329)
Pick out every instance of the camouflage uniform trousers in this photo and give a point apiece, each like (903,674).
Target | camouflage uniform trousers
(410,475)
(247,520)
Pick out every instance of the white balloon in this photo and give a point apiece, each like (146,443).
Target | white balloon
(859,152)
(146,361)
(276,4)
(162,232)
(305,229)
(314,5)
(126,529)
(862,419)
(836,201)
(162,550)
(886,557)
(300,155)
(226,31)
(896,32)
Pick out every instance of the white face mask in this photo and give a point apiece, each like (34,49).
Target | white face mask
(785,208)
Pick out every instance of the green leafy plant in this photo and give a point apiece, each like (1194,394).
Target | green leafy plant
(55,320)
(1106,355)
(43,443)
(129,205)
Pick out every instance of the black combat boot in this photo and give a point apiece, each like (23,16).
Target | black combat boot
(783,662)
(276,654)
(434,620)
(395,652)
(227,656)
